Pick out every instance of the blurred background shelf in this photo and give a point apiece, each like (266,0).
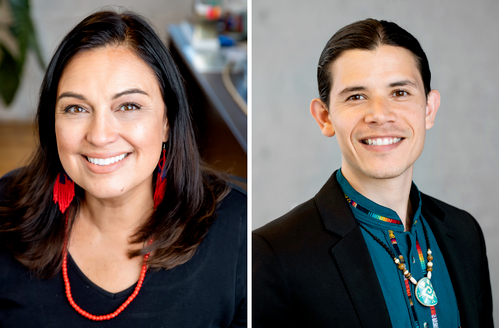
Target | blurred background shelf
(221,123)
(16,145)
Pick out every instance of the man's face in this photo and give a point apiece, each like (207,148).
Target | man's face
(378,111)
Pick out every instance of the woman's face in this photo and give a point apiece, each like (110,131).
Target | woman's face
(110,122)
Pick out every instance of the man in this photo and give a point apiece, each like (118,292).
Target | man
(370,250)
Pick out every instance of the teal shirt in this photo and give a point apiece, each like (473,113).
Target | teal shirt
(390,277)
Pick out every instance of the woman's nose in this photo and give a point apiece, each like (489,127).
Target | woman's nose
(102,128)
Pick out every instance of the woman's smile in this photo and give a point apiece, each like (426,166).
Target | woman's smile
(105,164)
(106,161)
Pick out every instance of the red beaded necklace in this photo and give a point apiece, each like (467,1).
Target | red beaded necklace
(105,316)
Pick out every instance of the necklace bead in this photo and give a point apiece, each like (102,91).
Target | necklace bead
(109,316)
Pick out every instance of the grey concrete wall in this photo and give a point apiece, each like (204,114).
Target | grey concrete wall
(292,159)
(53,19)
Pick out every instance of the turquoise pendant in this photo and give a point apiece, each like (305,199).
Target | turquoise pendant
(425,292)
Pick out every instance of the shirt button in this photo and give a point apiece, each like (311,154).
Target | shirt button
(425,325)
(413,260)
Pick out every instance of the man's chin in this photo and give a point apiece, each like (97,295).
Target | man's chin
(385,173)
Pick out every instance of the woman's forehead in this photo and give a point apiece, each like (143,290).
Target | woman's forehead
(108,69)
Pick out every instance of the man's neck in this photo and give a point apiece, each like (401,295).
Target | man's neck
(392,193)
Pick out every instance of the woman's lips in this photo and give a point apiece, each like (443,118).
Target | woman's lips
(101,165)
(106,161)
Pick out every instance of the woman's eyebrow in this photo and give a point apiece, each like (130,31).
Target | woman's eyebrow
(70,94)
(129,91)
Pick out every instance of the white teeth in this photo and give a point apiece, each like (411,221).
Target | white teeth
(381,142)
(106,161)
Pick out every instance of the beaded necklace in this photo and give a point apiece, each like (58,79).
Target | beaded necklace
(425,293)
(84,313)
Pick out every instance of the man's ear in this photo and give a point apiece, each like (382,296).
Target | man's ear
(321,114)
(432,104)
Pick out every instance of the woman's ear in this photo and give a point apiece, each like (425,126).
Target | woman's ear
(166,129)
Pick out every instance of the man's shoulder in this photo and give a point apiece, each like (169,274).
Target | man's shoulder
(293,221)
(321,219)
(458,220)
(298,233)
(439,208)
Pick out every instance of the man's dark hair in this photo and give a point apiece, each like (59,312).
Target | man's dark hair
(368,35)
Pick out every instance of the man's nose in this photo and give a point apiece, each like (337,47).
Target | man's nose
(380,111)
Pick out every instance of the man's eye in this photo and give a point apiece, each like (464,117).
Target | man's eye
(356,97)
(400,93)
(129,107)
(73,109)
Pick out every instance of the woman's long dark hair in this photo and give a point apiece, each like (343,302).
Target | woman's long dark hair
(32,226)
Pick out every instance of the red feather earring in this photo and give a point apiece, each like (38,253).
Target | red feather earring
(64,191)
(159,191)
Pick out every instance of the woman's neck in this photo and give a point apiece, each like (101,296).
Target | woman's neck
(118,217)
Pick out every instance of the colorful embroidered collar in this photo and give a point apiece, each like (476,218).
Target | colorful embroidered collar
(373,214)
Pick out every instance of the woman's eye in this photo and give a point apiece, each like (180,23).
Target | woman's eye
(74,109)
(356,97)
(129,107)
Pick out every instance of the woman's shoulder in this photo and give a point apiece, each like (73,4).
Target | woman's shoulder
(234,203)
(6,182)
(231,216)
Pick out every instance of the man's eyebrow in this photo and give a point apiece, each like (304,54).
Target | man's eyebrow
(70,94)
(351,89)
(402,83)
(129,91)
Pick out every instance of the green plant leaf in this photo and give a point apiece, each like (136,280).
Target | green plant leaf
(33,45)
(9,75)
(24,31)
(21,27)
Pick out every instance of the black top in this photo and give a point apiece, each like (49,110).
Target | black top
(207,291)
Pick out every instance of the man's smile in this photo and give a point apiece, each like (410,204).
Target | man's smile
(380,141)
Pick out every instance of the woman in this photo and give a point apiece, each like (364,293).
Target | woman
(115,219)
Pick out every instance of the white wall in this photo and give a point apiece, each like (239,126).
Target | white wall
(292,159)
(53,19)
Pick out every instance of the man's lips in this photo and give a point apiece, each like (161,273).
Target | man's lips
(381,141)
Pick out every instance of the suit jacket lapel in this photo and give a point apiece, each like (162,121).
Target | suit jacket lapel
(450,246)
(352,256)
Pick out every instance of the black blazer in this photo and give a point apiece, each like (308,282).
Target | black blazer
(312,268)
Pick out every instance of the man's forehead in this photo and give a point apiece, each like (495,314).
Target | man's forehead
(385,64)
